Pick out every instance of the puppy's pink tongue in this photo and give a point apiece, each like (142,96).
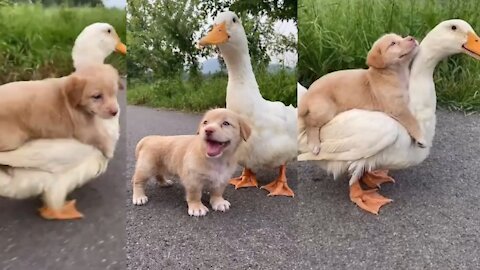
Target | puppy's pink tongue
(214,148)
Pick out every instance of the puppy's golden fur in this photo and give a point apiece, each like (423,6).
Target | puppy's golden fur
(381,87)
(60,108)
(205,159)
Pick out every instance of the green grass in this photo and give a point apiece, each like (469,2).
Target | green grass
(206,92)
(36,42)
(337,34)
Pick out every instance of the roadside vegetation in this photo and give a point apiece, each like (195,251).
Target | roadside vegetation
(36,41)
(337,34)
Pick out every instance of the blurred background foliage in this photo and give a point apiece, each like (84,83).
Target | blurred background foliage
(337,34)
(162,36)
(91,3)
(36,40)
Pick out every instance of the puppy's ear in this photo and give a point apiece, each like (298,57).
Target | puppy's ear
(245,130)
(121,84)
(74,90)
(375,58)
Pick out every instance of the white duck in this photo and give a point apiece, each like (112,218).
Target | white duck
(55,167)
(274,125)
(359,141)
(95,43)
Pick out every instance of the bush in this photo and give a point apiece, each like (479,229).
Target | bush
(36,42)
(203,93)
(337,34)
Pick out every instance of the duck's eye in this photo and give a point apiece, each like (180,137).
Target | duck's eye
(454,27)
(109,31)
(225,123)
(205,122)
(97,97)
(234,20)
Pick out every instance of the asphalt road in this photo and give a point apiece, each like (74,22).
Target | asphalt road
(95,242)
(433,222)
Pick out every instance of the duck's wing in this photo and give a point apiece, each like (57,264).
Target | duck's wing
(353,135)
(50,155)
(21,182)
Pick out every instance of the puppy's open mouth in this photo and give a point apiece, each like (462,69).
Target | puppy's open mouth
(215,148)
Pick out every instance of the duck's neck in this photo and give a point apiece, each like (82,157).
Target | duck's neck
(241,79)
(423,99)
(84,56)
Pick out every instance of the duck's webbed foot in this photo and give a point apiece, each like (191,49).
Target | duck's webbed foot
(369,200)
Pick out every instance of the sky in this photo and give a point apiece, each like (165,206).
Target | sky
(115,3)
(286,28)
(281,27)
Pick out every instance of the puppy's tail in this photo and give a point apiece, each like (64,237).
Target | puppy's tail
(301,91)
(139,147)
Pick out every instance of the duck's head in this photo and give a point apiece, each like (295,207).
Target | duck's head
(227,32)
(95,43)
(452,37)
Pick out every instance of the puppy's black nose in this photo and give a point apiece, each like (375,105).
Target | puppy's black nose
(113,112)
(209,131)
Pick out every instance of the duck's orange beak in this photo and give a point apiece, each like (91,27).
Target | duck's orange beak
(121,48)
(472,46)
(217,35)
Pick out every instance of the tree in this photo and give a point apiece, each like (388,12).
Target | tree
(275,9)
(162,34)
(92,3)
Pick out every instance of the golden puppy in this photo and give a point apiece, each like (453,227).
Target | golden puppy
(60,108)
(381,87)
(205,159)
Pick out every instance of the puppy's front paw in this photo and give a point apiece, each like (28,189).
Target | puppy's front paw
(421,143)
(109,155)
(197,209)
(110,151)
(140,200)
(315,149)
(220,204)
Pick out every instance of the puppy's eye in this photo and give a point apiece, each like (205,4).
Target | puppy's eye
(225,123)
(393,43)
(97,97)
(205,122)
(109,30)
(454,27)
(234,20)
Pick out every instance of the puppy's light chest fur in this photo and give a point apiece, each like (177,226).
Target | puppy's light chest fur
(213,171)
